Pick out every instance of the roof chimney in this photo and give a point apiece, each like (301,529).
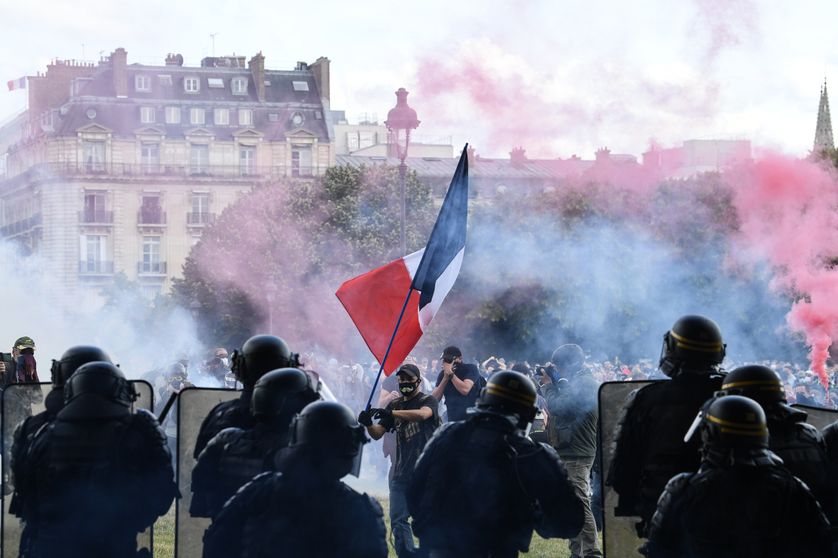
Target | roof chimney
(603,154)
(320,69)
(472,156)
(518,156)
(119,65)
(257,68)
(174,59)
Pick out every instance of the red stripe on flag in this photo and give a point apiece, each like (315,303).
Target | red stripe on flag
(373,301)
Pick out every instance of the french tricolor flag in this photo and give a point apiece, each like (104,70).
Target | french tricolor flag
(413,287)
(19,83)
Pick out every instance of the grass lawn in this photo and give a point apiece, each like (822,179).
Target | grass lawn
(164,539)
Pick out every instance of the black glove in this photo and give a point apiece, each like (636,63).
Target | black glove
(365,417)
(385,418)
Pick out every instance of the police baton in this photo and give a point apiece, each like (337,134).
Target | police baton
(167,408)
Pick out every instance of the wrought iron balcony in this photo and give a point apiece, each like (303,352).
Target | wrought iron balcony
(199,219)
(151,217)
(96,217)
(151,268)
(95,267)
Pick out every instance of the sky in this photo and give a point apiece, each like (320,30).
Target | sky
(557,77)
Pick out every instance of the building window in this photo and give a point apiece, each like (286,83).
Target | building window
(191,85)
(147,115)
(221,117)
(172,115)
(142,83)
(215,83)
(247,160)
(366,139)
(238,86)
(150,156)
(300,85)
(94,208)
(300,161)
(93,153)
(200,214)
(151,212)
(197,116)
(245,117)
(151,255)
(199,159)
(151,292)
(93,257)
(165,79)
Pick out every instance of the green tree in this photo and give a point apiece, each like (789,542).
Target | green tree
(279,253)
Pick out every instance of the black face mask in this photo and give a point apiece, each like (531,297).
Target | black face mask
(407,388)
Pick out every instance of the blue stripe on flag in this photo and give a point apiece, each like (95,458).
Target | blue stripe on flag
(448,236)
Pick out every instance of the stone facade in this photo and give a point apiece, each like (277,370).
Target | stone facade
(123,172)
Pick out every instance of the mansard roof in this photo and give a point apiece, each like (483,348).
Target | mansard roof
(292,102)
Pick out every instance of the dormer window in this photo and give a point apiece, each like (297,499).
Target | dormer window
(142,83)
(215,83)
(191,85)
(300,85)
(238,86)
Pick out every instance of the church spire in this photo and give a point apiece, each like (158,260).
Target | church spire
(823,131)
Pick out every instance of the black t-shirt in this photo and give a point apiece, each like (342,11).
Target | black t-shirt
(412,436)
(455,402)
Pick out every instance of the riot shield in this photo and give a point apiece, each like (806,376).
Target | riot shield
(619,537)
(819,417)
(193,405)
(20,401)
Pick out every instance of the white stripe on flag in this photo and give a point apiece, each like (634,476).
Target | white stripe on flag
(443,284)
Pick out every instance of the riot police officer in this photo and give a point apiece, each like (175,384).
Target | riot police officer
(61,370)
(98,475)
(649,448)
(235,456)
(481,486)
(799,445)
(305,510)
(259,355)
(742,501)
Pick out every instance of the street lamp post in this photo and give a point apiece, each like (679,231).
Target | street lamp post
(270,296)
(400,121)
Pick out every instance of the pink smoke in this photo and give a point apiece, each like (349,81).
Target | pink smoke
(787,211)
(513,102)
(727,23)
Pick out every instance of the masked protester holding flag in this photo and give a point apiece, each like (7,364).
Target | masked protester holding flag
(414,416)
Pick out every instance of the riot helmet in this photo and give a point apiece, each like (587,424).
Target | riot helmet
(98,390)
(508,394)
(568,359)
(693,342)
(331,435)
(282,393)
(756,382)
(731,422)
(261,354)
(72,359)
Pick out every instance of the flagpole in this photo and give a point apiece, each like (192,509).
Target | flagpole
(389,346)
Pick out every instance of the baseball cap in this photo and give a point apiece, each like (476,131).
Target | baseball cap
(409,369)
(24,343)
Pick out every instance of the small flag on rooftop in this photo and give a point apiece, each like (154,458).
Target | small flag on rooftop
(19,83)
